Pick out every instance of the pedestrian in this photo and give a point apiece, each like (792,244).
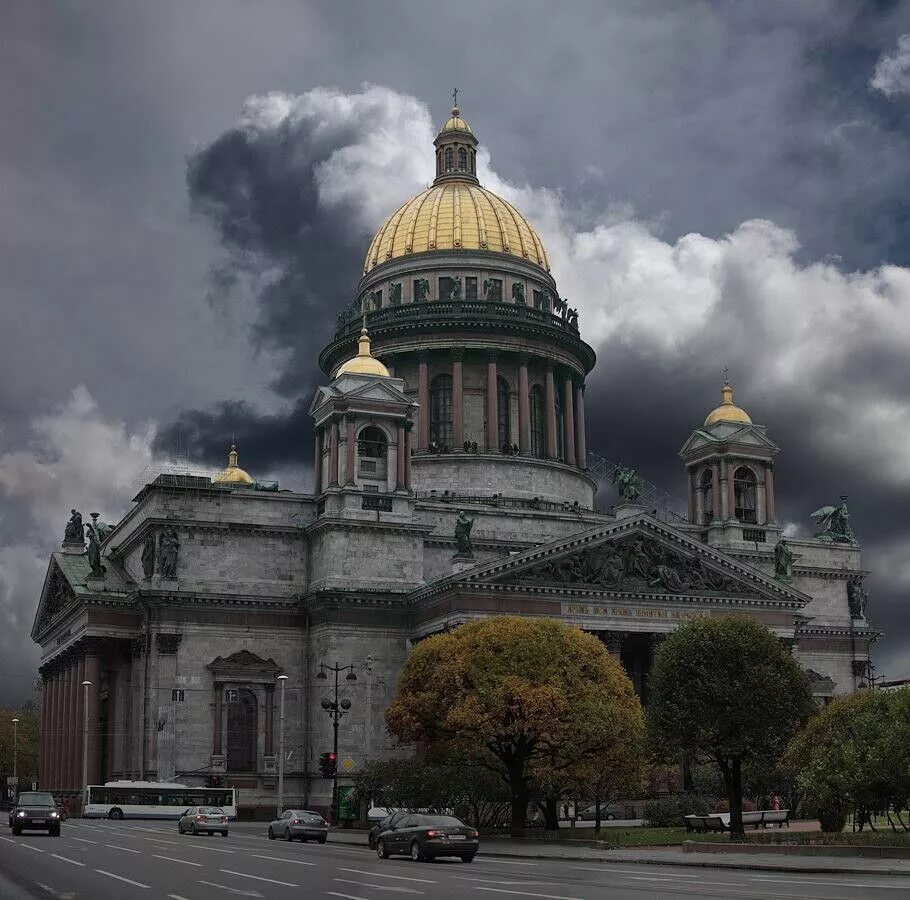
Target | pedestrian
(775,802)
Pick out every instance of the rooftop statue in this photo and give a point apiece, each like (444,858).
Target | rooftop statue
(857,598)
(835,523)
(783,561)
(168,549)
(94,552)
(518,292)
(455,292)
(421,289)
(148,556)
(74,533)
(628,484)
(463,526)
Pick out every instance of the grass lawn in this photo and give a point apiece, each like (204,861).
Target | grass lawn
(636,836)
(883,838)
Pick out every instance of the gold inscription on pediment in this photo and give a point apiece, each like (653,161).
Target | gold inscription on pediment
(629,612)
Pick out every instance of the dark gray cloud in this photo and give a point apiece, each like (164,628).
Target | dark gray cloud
(207,315)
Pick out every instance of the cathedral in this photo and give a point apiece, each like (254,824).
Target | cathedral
(222,616)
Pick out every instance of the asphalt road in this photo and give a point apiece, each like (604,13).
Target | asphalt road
(112,861)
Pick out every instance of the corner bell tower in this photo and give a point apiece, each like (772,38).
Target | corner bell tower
(730,476)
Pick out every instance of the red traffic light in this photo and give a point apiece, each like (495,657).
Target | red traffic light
(333,756)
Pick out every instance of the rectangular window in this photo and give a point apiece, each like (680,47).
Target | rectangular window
(377,300)
(470,288)
(177,695)
(367,465)
(445,288)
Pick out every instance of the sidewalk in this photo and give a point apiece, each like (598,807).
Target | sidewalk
(671,856)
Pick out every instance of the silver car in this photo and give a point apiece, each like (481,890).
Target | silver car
(300,824)
(199,819)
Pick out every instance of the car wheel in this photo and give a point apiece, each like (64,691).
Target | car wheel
(115,813)
(55,832)
(287,834)
(224,834)
(416,852)
(381,851)
(467,857)
(271,834)
(610,817)
(194,830)
(371,842)
(17,830)
(322,840)
(304,839)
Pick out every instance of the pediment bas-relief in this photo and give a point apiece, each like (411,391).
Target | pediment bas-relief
(635,563)
(59,594)
(244,665)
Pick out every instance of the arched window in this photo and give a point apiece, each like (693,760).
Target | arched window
(441,411)
(505,412)
(462,159)
(372,443)
(450,159)
(707,497)
(744,495)
(538,428)
(242,729)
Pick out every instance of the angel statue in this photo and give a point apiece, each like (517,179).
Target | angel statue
(835,524)
(94,552)
(628,484)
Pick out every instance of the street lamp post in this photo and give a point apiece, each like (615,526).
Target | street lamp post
(15,752)
(336,709)
(282,679)
(85,686)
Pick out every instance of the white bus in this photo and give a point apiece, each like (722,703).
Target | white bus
(153,800)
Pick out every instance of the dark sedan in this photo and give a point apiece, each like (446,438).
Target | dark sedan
(35,811)
(299,824)
(383,824)
(424,837)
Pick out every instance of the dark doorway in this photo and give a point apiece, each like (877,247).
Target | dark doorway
(637,654)
(241,730)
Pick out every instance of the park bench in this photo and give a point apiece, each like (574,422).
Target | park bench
(721,821)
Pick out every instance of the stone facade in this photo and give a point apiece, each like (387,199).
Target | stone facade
(481,409)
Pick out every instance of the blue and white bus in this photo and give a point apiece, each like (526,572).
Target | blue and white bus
(153,800)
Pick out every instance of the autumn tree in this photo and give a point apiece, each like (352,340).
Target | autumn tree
(28,743)
(728,689)
(516,695)
(856,753)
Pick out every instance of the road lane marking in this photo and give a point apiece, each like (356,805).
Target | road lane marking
(506,883)
(298,862)
(84,840)
(121,878)
(67,896)
(527,894)
(383,875)
(502,862)
(842,884)
(176,897)
(608,868)
(75,862)
(158,841)
(23,844)
(346,896)
(213,849)
(231,890)
(379,887)
(124,849)
(185,862)
(258,878)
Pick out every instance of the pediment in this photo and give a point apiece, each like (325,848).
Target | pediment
(639,555)
(378,389)
(56,595)
(244,665)
(361,389)
(728,433)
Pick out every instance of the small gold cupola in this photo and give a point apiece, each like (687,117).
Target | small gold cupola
(364,363)
(456,148)
(728,411)
(233,474)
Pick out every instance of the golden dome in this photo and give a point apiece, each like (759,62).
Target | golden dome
(727,411)
(456,214)
(456,123)
(233,474)
(364,363)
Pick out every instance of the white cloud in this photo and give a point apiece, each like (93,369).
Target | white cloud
(892,71)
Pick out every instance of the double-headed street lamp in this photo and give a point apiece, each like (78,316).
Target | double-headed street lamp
(336,709)
(282,679)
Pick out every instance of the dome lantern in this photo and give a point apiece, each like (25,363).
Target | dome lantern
(456,148)
(364,363)
(233,474)
(728,411)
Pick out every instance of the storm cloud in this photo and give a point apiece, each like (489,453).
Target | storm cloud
(189,193)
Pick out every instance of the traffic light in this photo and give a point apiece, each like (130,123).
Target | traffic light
(328,764)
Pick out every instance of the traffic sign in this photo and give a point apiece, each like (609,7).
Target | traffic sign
(347,764)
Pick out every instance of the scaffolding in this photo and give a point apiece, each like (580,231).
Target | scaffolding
(663,504)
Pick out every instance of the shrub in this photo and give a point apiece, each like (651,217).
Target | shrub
(669,812)
(724,806)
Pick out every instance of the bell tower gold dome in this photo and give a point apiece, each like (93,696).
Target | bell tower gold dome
(728,411)
(455,213)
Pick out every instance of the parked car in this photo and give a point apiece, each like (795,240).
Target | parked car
(203,818)
(299,824)
(608,812)
(35,811)
(383,824)
(424,837)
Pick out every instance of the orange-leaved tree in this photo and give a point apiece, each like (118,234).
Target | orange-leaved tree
(516,694)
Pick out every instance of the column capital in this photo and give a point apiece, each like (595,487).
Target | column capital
(350,418)
(491,355)
(408,425)
(457,354)
(523,358)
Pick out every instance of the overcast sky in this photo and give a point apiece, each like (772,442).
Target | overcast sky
(187,191)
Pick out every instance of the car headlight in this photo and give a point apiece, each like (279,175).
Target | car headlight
(20,814)
(55,815)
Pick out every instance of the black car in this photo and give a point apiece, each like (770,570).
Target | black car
(383,824)
(424,837)
(35,811)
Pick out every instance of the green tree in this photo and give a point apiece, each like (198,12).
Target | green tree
(515,695)
(856,752)
(727,688)
(27,748)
